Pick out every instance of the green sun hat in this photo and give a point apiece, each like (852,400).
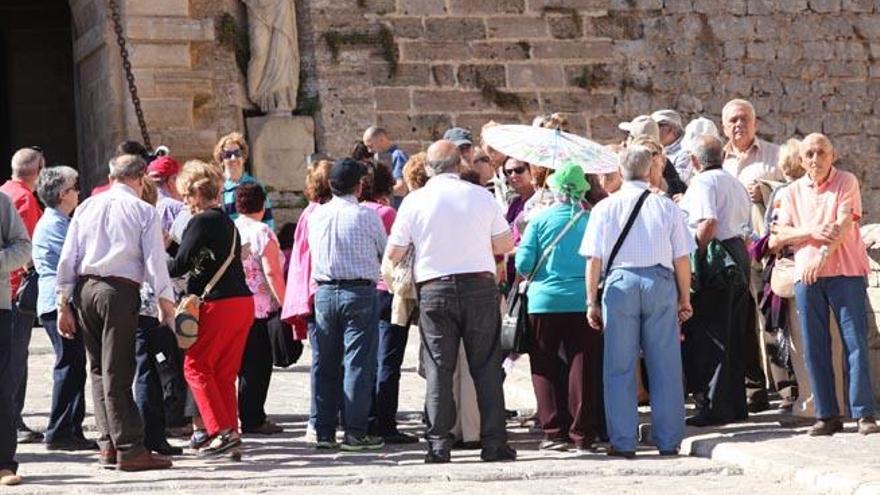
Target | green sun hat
(570,181)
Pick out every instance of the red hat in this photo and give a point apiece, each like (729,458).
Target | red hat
(163,167)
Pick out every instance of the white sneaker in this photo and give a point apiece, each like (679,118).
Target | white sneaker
(311,435)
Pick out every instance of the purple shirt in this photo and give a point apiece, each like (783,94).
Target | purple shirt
(128,243)
(168,208)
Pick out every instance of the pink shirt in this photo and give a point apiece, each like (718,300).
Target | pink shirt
(300,292)
(387,215)
(804,204)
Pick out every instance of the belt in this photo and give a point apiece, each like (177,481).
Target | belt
(356,282)
(113,280)
(458,277)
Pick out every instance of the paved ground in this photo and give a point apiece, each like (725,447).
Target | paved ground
(762,457)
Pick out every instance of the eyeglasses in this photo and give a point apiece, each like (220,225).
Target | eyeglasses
(518,171)
(230,154)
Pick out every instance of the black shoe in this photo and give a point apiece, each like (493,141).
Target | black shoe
(503,453)
(27,435)
(400,438)
(825,427)
(73,444)
(219,445)
(701,421)
(626,454)
(511,413)
(359,444)
(266,428)
(165,449)
(437,457)
(462,445)
(758,406)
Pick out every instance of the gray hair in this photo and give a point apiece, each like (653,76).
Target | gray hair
(26,162)
(54,182)
(127,167)
(709,151)
(738,102)
(635,162)
(448,163)
(374,131)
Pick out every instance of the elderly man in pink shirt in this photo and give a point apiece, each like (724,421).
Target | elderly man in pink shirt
(818,216)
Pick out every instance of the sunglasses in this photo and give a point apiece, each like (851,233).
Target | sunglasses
(518,171)
(230,154)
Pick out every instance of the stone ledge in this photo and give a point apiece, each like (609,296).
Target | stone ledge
(157,7)
(169,29)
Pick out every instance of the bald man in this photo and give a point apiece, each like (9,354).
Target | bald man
(378,141)
(818,216)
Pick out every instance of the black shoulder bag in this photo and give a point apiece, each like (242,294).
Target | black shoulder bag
(515,328)
(626,228)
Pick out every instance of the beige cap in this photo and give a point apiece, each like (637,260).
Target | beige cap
(643,125)
(668,117)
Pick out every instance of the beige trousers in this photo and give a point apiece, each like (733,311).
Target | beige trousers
(467,420)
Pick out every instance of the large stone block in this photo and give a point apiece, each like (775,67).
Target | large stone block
(157,7)
(279,147)
(516,27)
(420,7)
(535,76)
(486,6)
(145,55)
(455,29)
(585,50)
(169,29)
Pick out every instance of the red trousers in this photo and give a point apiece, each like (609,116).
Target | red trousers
(211,364)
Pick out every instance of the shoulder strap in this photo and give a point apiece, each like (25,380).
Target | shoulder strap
(224,266)
(546,253)
(626,228)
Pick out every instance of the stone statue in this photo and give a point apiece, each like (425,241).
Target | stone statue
(273,71)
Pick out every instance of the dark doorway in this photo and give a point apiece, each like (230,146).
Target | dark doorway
(36,80)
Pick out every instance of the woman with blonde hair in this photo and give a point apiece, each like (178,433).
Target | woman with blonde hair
(211,248)
(231,153)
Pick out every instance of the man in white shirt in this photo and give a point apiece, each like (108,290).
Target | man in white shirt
(717,207)
(646,295)
(455,228)
(101,271)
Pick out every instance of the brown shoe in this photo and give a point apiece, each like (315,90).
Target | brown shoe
(107,458)
(8,478)
(825,427)
(867,425)
(144,462)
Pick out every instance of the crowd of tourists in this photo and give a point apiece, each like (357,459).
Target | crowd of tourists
(703,269)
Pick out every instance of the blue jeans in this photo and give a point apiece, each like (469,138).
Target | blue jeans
(846,298)
(343,357)
(392,346)
(22,327)
(640,310)
(68,383)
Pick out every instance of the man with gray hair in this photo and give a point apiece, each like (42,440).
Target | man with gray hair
(640,243)
(671,132)
(100,272)
(455,227)
(26,166)
(717,207)
(379,142)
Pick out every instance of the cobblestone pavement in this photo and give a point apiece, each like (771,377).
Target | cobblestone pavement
(287,464)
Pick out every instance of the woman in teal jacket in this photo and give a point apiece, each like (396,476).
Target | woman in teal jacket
(557,313)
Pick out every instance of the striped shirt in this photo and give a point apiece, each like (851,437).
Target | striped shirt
(229,188)
(658,236)
(346,240)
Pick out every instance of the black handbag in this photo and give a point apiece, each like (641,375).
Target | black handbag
(27,293)
(285,349)
(626,228)
(515,328)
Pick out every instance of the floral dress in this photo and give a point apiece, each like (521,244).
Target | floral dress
(255,236)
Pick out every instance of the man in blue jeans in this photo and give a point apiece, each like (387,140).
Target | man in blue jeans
(818,216)
(646,296)
(347,241)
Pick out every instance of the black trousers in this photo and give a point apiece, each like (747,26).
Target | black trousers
(462,312)
(713,349)
(8,434)
(254,376)
(158,377)
(108,314)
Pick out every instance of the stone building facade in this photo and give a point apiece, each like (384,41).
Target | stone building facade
(418,67)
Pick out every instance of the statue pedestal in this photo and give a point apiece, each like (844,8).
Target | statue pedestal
(279,147)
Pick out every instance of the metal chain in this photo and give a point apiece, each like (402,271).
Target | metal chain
(129,75)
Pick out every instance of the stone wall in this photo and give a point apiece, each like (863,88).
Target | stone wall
(420,66)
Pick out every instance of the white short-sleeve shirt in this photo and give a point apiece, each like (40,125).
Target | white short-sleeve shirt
(658,235)
(451,223)
(717,195)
